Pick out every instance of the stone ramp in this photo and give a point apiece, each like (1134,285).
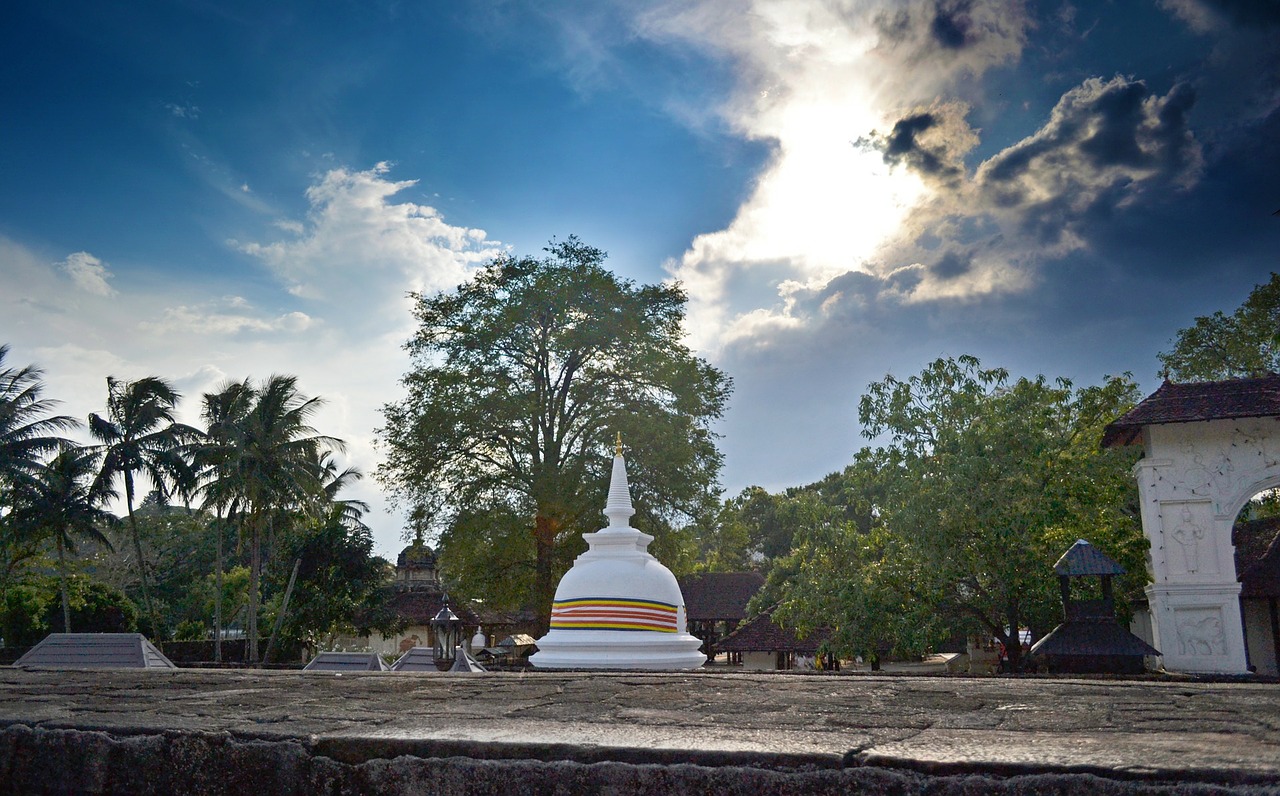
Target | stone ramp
(622,733)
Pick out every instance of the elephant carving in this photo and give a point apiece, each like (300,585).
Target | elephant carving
(1197,637)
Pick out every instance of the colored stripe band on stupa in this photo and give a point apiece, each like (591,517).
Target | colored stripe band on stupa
(613,613)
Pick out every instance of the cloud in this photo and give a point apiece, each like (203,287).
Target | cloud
(814,79)
(359,252)
(930,141)
(1203,16)
(231,317)
(88,273)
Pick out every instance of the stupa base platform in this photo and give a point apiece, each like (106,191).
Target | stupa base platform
(617,649)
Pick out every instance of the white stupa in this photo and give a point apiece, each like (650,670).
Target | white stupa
(618,607)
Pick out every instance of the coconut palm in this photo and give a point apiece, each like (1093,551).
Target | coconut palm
(64,500)
(28,432)
(223,412)
(269,462)
(349,512)
(140,436)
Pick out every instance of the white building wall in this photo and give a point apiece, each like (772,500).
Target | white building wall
(1193,482)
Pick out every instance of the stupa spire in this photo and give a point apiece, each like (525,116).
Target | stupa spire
(618,505)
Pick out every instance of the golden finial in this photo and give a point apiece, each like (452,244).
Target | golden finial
(618,450)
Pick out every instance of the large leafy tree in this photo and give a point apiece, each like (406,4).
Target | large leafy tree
(64,502)
(267,462)
(521,379)
(141,437)
(1221,346)
(982,484)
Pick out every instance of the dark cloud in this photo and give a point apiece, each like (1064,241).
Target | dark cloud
(903,146)
(952,37)
(952,24)
(1104,143)
(951,265)
(930,142)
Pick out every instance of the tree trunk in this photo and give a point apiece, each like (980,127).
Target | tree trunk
(255,563)
(156,636)
(284,609)
(217,594)
(544,587)
(62,584)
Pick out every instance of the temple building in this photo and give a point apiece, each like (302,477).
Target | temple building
(417,597)
(618,607)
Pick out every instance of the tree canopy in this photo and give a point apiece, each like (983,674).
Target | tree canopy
(1245,343)
(521,379)
(982,485)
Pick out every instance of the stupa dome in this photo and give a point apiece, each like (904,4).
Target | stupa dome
(618,607)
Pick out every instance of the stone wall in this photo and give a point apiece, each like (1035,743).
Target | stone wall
(64,761)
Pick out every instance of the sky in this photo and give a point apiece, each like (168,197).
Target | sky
(846,189)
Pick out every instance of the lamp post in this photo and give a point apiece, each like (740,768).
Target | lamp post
(447,628)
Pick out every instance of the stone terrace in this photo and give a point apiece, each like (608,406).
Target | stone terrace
(220,731)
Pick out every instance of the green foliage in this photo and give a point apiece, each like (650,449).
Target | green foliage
(96,608)
(32,610)
(955,524)
(25,608)
(521,379)
(1220,346)
(339,586)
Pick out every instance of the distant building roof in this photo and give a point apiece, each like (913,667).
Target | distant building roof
(346,662)
(1257,546)
(762,634)
(719,595)
(1197,401)
(1085,559)
(95,651)
(419,606)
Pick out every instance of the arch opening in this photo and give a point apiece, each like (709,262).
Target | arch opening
(1255,538)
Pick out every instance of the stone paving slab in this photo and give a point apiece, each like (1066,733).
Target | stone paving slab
(1169,731)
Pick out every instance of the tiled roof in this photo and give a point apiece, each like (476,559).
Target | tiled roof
(1257,546)
(419,606)
(719,595)
(762,634)
(1085,559)
(1197,401)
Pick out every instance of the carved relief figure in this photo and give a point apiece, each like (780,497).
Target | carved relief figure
(1188,535)
(1197,478)
(1201,636)
(1224,472)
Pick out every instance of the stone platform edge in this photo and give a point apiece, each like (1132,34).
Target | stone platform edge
(80,759)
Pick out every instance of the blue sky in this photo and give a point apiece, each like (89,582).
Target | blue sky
(210,190)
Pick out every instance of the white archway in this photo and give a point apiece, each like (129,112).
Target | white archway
(1193,481)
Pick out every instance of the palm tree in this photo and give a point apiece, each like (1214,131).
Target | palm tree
(349,512)
(223,413)
(27,431)
(271,462)
(64,500)
(139,435)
